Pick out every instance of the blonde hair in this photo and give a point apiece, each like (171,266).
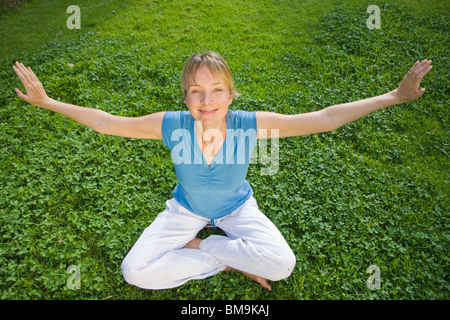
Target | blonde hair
(215,63)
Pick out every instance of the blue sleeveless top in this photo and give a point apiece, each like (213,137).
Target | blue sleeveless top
(215,190)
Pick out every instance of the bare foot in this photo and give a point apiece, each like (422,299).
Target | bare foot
(262,281)
(193,244)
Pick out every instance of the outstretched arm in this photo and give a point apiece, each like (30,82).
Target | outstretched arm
(333,117)
(147,127)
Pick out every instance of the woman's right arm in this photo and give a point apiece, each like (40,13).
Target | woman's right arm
(146,127)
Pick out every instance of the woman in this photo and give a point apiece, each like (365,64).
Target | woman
(206,144)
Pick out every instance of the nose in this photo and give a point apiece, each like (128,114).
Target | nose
(207,98)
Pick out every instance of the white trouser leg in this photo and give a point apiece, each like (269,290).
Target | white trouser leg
(158,260)
(253,245)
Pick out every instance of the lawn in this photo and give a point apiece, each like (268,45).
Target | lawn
(372,193)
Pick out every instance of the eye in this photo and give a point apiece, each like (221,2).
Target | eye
(218,90)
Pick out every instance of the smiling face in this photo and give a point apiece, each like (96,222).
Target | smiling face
(208,98)
(208,88)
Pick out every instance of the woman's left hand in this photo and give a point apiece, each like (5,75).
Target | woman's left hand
(409,87)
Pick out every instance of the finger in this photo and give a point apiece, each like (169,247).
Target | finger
(422,64)
(27,76)
(410,72)
(424,71)
(19,93)
(421,92)
(33,75)
(414,66)
(425,63)
(421,72)
(19,66)
(19,74)
(22,73)
(25,73)
(419,68)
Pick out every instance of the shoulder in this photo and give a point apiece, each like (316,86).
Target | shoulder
(172,121)
(174,116)
(243,119)
(244,126)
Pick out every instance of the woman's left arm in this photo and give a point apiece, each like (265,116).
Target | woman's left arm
(333,117)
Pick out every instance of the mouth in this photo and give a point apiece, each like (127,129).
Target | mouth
(208,112)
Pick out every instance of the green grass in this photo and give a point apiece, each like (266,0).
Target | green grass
(374,192)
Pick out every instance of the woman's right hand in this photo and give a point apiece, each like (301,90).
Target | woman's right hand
(34,91)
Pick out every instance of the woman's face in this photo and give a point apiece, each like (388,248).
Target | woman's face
(208,99)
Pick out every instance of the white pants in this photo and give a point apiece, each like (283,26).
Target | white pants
(253,244)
